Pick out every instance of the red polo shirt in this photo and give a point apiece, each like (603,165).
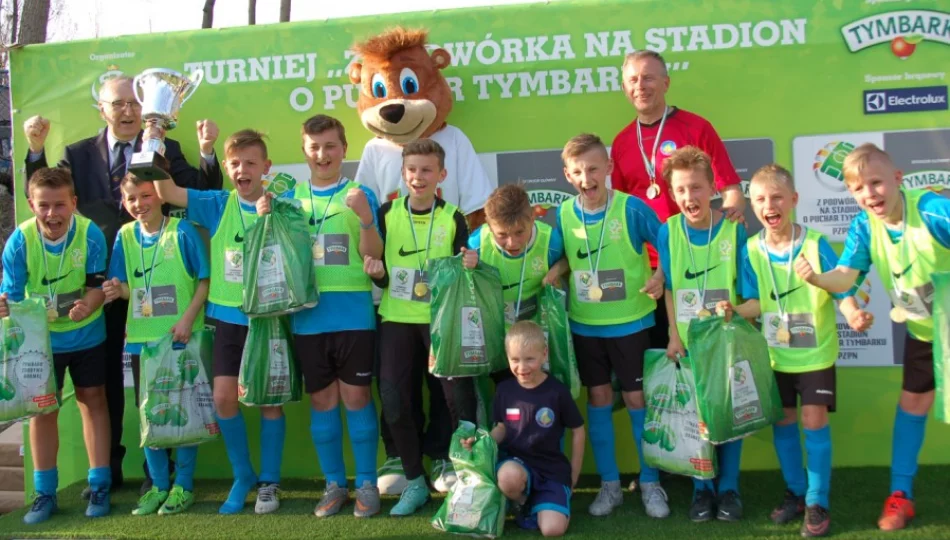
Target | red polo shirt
(682,128)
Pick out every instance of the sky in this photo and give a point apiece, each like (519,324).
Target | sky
(89,19)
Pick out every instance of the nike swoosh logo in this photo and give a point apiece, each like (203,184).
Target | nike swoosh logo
(784,294)
(510,286)
(140,274)
(898,275)
(47,282)
(238,238)
(582,255)
(404,253)
(690,275)
(314,221)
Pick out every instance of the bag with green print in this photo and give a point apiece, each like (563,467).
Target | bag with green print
(736,392)
(475,506)
(27,377)
(941,348)
(177,405)
(671,439)
(552,318)
(269,374)
(278,254)
(468,319)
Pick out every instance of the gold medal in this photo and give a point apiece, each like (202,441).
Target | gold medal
(595,293)
(703,313)
(420,289)
(318,251)
(899,315)
(653,191)
(51,315)
(146,309)
(783,336)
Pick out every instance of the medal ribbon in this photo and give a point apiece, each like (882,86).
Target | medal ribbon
(692,261)
(415,243)
(649,163)
(148,274)
(788,278)
(326,209)
(600,244)
(62,257)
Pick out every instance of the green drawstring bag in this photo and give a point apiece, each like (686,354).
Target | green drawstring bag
(671,439)
(735,387)
(27,377)
(941,347)
(279,276)
(475,506)
(468,319)
(177,405)
(552,318)
(269,374)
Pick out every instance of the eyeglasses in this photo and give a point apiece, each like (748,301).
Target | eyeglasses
(119,104)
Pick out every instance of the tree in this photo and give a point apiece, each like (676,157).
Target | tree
(251,12)
(33,22)
(284,10)
(208,17)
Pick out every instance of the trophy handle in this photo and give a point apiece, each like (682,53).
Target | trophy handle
(136,88)
(196,77)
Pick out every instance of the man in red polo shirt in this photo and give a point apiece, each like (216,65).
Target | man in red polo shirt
(639,149)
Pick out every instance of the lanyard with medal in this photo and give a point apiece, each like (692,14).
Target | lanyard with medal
(649,163)
(51,312)
(421,288)
(595,293)
(703,312)
(783,335)
(524,263)
(147,299)
(318,250)
(898,313)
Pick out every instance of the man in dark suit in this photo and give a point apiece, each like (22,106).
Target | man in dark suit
(98,164)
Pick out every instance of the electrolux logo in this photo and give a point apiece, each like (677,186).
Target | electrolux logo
(899,100)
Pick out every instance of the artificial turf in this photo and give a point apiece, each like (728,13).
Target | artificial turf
(856,498)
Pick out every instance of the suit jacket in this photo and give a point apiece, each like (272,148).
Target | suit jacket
(88,160)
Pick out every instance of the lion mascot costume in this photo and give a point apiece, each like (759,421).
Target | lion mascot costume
(403,97)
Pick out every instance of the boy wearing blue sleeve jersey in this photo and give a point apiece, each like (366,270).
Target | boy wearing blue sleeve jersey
(228,216)
(522,249)
(335,340)
(698,251)
(60,256)
(906,234)
(605,236)
(159,264)
(799,324)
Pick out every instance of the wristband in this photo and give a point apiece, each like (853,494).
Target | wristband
(366,227)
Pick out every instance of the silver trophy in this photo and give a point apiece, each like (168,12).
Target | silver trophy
(161,92)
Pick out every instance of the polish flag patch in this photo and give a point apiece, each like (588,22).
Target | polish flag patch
(513,415)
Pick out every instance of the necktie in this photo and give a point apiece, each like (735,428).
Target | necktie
(117,171)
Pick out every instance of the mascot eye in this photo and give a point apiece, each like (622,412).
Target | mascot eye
(378,86)
(408,81)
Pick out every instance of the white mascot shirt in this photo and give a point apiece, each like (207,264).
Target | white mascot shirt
(466,185)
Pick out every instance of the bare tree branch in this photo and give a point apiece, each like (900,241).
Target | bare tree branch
(208,17)
(284,10)
(251,12)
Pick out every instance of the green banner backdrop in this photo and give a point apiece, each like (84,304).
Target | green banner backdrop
(792,82)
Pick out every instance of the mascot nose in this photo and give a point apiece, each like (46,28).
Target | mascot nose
(393,113)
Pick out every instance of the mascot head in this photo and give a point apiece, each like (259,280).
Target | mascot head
(403,95)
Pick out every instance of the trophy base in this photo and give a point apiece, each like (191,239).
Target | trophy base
(149,166)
